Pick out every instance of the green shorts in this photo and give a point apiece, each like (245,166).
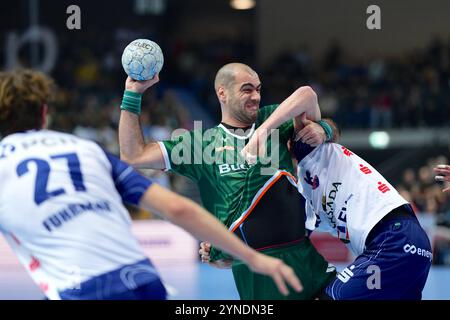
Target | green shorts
(311,268)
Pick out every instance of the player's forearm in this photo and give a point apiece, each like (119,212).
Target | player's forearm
(303,100)
(196,220)
(205,227)
(131,141)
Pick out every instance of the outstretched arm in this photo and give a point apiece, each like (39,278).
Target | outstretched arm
(203,225)
(132,146)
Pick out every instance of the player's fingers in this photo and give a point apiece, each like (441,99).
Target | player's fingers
(313,142)
(291,278)
(204,252)
(441,170)
(302,133)
(308,136)
(446,189)
(442,178)
(280,283)
(250,157)
(205,261)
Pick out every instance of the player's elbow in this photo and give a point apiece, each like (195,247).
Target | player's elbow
(133,161)
(306,92)
(125,158)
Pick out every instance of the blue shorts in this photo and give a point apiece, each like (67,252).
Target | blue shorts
(394,264)
(138,281)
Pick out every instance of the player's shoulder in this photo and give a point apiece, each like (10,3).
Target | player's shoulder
(196,134)
(48,140)
(69,138)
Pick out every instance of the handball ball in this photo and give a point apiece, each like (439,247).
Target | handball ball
(142,59)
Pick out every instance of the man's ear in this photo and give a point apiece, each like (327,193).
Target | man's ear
(44,110)
(221,94)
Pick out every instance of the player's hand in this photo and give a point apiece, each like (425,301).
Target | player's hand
(205,249)
(312,133)
(256,147)
(442,174)
(278,270)
(140,86)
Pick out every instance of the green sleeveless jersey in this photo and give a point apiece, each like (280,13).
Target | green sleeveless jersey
(228,185)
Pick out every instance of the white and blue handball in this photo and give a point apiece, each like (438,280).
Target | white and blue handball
(142,59)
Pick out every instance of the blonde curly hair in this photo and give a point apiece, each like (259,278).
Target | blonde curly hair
(23,93)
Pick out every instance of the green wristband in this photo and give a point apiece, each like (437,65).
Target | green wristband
(131,102)
(327,128)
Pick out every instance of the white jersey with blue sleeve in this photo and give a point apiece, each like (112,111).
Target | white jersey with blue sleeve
(61,208)
(344,194)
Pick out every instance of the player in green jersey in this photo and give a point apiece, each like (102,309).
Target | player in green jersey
(254,202)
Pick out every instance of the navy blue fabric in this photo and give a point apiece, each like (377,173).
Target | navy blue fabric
(130,184)
(301,150)
(139,281)
(401,250)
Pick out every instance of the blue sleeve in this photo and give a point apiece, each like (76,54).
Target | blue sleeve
(130,184)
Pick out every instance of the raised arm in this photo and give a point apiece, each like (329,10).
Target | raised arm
(303,100)
(297,107)
(132,146)
(203,225)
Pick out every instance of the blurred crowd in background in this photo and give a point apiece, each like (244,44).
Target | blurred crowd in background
(411,90)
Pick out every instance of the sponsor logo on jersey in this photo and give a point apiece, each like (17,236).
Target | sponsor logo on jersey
(347,152)
(412,249)
(346,274)
(6,150)
(312,181)
(231,168)
(342,230)
(364,169)
(34,264)
(43,286)
(211,147)
(44,141)
(331,268)
(383,187)
(318,221)
(328,203)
